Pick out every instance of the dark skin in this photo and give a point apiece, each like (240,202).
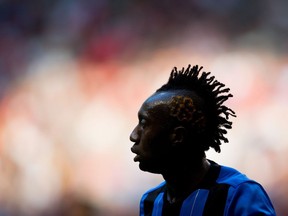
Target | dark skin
(159,145)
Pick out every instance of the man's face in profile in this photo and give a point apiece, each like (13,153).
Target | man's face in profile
(151,135)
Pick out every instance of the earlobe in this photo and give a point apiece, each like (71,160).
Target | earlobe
(178,135)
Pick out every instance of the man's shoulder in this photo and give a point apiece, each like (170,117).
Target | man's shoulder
(159,188)
(232,177)
(150,195)
(243,190)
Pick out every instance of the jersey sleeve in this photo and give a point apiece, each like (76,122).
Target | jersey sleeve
(249,199)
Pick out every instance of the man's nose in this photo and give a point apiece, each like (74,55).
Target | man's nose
(134,135)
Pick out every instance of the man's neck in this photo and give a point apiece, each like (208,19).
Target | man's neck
(182,181)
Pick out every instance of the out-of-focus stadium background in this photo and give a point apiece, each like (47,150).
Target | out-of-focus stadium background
(74,73)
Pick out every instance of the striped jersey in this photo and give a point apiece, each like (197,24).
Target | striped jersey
(223,191)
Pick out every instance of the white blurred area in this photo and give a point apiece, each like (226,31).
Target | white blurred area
(65,125)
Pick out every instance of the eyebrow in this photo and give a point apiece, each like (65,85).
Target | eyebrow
(142,115)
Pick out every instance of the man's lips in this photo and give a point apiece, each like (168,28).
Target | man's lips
(137,157)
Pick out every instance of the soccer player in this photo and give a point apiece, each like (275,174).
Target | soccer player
(177,124)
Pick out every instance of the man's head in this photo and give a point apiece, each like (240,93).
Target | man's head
(181,120)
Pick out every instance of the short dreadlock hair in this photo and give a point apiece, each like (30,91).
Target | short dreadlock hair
(213,94)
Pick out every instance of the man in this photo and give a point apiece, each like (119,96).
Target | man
(177,124)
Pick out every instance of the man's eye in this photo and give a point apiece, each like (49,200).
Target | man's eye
(142,122)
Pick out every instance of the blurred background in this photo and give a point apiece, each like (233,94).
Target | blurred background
(73,75)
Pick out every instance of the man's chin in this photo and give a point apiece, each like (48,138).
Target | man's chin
(150,168)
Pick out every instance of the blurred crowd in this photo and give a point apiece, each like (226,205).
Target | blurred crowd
(104,30)
(72,77)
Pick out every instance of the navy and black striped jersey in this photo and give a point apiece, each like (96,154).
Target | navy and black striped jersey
(224,191)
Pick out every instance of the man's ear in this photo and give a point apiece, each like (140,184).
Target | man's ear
(178,135)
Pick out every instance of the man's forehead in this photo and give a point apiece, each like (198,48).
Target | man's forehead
(166,97)
(180,105)
(162,101)
(156,106)
(160,98)
(156,102)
